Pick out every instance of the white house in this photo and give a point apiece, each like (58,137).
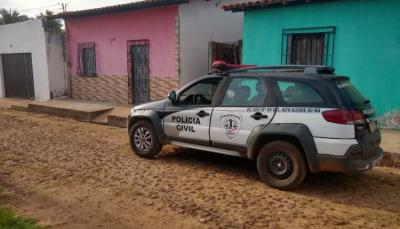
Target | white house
(207,33)
(32,62)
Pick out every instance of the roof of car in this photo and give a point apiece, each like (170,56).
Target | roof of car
(298,71)
(299,75)
(277,74)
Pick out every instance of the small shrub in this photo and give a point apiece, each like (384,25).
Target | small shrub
(8,220)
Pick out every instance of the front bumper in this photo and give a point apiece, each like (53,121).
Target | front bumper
(351,162)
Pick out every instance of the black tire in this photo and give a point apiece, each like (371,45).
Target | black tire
(281,165)
(153,148)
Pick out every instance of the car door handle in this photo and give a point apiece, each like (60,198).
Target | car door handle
(202,114)
(258,116)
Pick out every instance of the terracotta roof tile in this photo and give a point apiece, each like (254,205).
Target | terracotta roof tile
(117,8)
(256,4)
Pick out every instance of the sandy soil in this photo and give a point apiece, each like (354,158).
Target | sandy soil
(70,174)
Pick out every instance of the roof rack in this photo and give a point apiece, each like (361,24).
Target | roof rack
(307,69)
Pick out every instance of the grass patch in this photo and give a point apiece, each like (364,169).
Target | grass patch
(8,220)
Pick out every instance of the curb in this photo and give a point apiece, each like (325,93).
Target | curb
(115,121)
(118,121)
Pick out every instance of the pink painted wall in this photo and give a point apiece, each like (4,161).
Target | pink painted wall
(112,31)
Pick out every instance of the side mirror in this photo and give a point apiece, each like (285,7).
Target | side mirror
(172,97)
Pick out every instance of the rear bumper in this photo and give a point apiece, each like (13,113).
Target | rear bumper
(352,161)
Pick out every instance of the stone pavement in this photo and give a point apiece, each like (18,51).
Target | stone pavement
(117,114)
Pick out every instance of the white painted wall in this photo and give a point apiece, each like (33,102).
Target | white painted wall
(56,64)
(28,37)
(203,21)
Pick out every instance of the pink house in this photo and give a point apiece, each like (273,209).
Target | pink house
(136,52)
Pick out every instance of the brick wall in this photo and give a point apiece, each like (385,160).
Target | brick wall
(115,88)
(160,87)
(100,88)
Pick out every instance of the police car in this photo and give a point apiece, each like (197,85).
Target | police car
(290,119)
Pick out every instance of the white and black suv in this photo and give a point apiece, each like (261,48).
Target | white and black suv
(290,119)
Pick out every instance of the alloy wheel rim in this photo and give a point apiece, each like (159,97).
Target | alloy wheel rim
(280,165)
(142,139)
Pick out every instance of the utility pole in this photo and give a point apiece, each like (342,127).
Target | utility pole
(64,7)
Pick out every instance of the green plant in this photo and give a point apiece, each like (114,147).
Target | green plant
(11,16)
(8,220)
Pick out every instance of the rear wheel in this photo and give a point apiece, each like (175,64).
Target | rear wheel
(143,139)
(281,165)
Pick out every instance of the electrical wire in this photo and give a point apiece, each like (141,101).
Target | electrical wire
(42,7)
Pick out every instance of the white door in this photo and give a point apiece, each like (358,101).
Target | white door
(247,103)
(189,119)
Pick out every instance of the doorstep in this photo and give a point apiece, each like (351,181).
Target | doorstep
(82,110)
(68,110)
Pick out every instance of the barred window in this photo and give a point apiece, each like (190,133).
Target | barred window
(86,59)
(305,49)
(308,46)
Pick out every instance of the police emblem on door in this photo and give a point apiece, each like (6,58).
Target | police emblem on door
(231,124)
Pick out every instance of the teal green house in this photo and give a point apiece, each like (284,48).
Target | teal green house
(359,38)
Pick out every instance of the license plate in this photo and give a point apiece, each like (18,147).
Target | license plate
(372,126)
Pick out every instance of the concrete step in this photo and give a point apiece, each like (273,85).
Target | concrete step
(67,112)
(102,118)
(20,107)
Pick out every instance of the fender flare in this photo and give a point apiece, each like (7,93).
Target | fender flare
(150,116)
(298,131)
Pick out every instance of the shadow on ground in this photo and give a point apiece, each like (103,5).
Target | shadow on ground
(376,189)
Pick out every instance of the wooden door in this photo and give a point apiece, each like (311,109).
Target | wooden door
(18,75)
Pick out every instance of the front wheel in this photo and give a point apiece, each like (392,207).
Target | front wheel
(281,165)
(143,139)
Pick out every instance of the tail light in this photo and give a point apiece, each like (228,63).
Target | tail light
(344,116)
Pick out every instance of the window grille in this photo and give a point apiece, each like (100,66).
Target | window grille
(308,46)
(86,59)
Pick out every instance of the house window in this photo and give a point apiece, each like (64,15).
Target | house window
(308,46)
(86,59)
(230,52)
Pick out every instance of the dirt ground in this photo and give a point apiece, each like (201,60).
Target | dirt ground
(71,174)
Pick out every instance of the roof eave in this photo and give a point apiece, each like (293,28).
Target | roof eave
(239,7)
(115,9)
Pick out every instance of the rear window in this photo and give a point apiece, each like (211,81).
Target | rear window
(357,99)
(298,93)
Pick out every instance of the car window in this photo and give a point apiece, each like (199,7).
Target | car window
(296,92)
(200,93)
(357,99)
(245,92)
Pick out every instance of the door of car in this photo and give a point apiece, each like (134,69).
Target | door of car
(247,103)
(188,120)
